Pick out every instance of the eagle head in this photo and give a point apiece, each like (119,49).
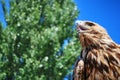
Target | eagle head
(91,33)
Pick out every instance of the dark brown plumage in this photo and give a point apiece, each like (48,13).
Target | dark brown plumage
(100,55)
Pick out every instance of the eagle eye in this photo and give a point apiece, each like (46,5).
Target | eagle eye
(90,23)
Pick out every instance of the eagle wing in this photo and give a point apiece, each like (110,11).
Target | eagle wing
(78,73)
(99,64)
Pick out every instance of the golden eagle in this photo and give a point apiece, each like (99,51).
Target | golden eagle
(100,55)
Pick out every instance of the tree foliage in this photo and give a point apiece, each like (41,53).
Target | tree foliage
(30,47)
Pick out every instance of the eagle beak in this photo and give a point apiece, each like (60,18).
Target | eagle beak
(77,22)
(80,26)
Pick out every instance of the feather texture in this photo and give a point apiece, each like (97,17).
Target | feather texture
(101,54)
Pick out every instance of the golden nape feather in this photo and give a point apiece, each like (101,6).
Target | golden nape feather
(100,54)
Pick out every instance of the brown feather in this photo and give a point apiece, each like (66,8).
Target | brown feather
(79,70)
(102,57)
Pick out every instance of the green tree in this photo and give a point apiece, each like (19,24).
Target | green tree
(35,33)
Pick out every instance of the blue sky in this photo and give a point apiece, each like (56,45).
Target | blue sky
(104,12)
(2,18)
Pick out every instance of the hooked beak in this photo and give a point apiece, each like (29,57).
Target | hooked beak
(80,26)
